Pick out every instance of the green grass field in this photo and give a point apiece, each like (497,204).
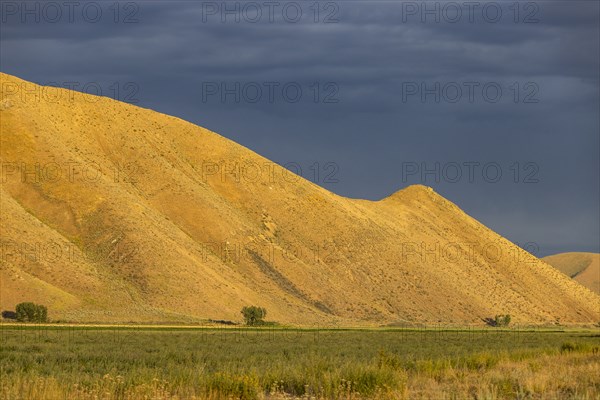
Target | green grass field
(159,363)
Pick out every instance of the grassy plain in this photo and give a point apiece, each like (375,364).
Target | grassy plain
(95,362)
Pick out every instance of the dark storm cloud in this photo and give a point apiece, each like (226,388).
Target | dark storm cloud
(373,55)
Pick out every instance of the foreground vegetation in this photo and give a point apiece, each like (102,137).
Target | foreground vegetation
(245,363)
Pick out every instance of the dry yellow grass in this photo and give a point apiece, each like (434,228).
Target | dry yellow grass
(564,376)
(570,376)
(583,267)
(112,212)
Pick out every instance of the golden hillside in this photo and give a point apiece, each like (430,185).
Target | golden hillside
(111,212)
(583,267)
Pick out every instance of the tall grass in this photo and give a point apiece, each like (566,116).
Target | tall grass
(278,363)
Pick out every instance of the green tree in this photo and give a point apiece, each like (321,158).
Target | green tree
(254,315)
(30,312)
(502,320)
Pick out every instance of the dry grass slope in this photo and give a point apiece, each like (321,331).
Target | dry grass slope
(112,212)
(583,267)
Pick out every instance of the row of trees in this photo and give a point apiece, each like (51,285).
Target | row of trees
(31,312)
(253,315)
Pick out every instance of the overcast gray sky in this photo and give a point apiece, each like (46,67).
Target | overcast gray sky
(493,104)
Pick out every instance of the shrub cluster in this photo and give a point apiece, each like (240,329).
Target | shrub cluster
(30,312)
(502,320)
(254,315)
